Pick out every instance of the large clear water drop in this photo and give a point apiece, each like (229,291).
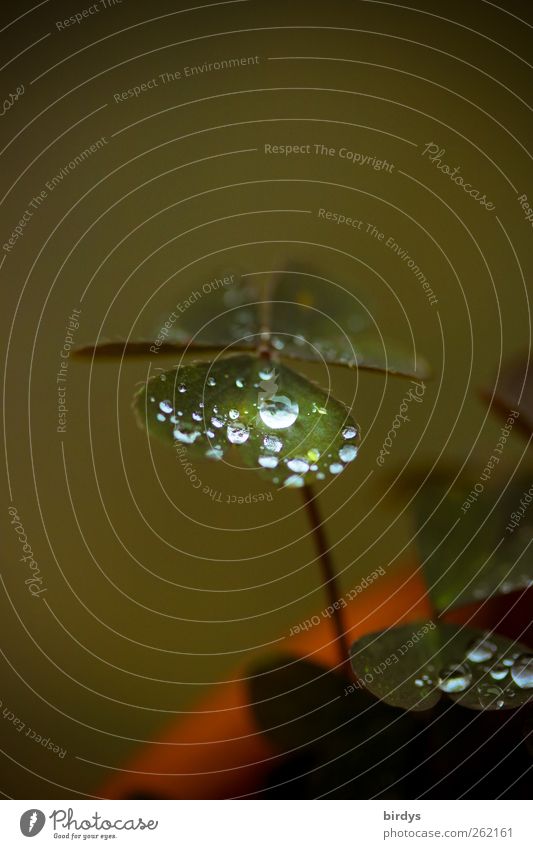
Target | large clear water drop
(278,412)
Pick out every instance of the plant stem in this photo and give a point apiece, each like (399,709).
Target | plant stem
(265,316)
(329,576)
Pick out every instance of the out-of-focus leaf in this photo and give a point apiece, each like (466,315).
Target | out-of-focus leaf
(116,348)
(298,703)
(294,312)
(362,351)
(284,303)
(215,314)
(474,539)
(250,412)
(335,732)
(341,743)
(514,392)
(228,314)
(413,665)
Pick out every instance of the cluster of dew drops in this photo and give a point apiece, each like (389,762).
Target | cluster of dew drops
(500,671)
(276,412)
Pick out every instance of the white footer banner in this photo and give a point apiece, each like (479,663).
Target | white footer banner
(258,824)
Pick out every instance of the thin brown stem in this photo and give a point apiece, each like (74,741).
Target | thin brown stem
(265,317)
(329,576)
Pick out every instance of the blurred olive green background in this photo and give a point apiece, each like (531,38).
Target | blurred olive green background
(154,591)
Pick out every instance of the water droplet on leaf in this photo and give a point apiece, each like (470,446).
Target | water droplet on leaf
(268,462)
(237,434)
(454,678)
(480,650)
(298,465)
(490,695)
(184,433)
(294,481)
(498,671)
(278,412)
(349,432)
(522,672)
(272,443)
(348,453)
